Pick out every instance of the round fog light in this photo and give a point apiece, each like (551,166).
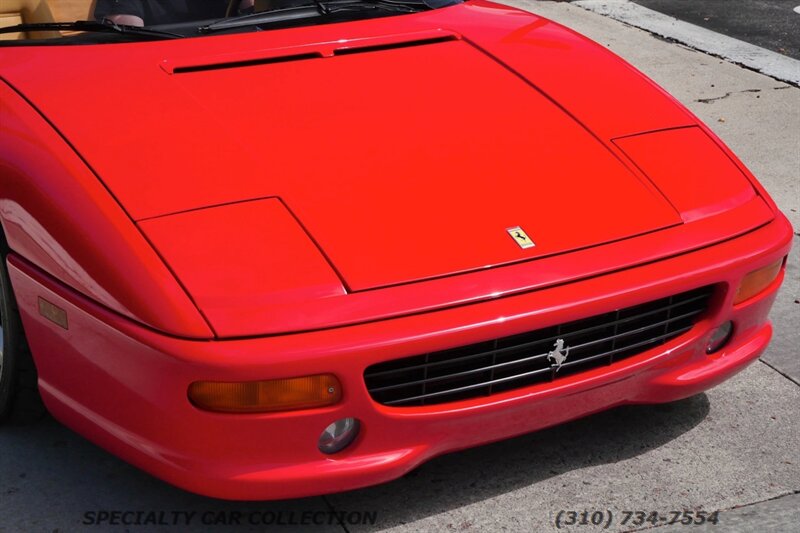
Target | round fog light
(720,337)
(338,435)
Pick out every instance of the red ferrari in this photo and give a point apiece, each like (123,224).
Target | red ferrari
(303,246)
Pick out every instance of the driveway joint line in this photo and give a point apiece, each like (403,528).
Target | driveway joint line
(727,509)
(333,510)
(781,372)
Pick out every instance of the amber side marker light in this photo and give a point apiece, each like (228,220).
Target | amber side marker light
(757,281)
(268,396)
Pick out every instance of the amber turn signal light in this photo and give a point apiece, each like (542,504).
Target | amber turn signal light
(305,392)
(757,281)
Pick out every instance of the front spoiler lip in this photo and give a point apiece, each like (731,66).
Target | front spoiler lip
(137,406)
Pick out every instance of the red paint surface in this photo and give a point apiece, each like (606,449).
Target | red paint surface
(349,209)
(138,408)
(699,179)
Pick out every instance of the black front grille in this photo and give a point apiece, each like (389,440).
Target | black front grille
(512,362)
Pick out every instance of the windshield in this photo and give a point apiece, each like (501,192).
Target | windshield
(25,22)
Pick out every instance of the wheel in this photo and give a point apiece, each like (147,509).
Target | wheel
(19,394)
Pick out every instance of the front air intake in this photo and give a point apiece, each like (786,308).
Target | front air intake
(509,363)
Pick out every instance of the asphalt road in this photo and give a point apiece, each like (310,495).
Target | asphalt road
(733,449)
(772,24)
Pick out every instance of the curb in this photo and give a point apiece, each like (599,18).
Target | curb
(754,57)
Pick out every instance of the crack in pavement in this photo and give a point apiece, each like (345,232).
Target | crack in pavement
(779,371)
(734,508)
(714,99)
(332,509)
(731,93)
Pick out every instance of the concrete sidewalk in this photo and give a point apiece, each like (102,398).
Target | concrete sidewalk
(734,449)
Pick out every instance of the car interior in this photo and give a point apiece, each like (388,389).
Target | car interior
(13,12)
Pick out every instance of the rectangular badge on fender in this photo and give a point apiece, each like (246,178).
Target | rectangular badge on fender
(520,237)
(53,313)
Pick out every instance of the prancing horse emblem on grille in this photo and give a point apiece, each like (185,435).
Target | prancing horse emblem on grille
(559,355)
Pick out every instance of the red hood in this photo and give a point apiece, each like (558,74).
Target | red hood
(404,151)
(428,151)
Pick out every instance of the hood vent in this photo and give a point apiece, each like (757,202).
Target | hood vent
(246,63)
(389,46)
(249,58)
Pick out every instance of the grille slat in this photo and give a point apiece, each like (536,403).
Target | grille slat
(503,364)
(491,368)
(466,388)
(618,350)
(617,336)
(464,373)
(549,339)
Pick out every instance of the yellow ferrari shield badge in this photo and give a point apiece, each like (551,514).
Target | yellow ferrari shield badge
(520,237)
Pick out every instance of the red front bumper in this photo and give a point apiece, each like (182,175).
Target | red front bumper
(125,387)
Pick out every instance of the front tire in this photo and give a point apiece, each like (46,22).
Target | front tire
(19,393)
